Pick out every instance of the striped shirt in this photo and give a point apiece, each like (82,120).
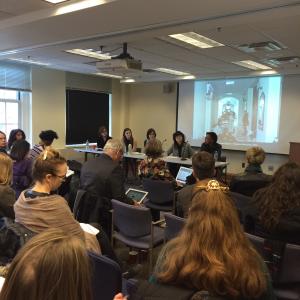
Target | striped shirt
(35,151)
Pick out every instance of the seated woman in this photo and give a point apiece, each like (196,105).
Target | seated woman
(253,178)
(46,139)
(52,265)
(150,137)
(129,144)
(7,194)
(210,145)
(212,252)
(3,144)
(39,209)
(103,137)
(15,135)
(22,167)
(152,166)
(275,209)
(180,147)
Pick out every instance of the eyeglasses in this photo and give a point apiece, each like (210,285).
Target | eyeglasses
(62,177)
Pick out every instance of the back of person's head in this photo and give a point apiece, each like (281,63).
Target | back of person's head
(52,265)
(255,155)
(178,133)
(113,144)
(203,164)
(213,135)
(282,195)
(5,169)
(150,131)
(153,149)
(212,252)
(19,150)
(14,135)
(47,163)
(47,137)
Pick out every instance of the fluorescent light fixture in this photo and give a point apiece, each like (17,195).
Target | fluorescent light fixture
(79,6)
(30,61)
(89,53)
(109,75)
(196,40)
(172,72)
(269,72)
(127,80)
(253,65)
(229,82)
(187,77)
(56,1)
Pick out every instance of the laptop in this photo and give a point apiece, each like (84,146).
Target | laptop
(136,195)
(182,174)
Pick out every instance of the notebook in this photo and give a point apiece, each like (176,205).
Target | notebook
(182,174)
(136,195)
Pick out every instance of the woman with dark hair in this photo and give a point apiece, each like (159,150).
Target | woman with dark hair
(180,147)
(276,208)
(210,145)
(15,135)
(212,252)
(129,144)
(22,166)
(103,137)
(3,144)
(151,136)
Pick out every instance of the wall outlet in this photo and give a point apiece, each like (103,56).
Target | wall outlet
(243,165)
(271,168)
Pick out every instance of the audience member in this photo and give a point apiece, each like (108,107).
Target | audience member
(180,147)
(203,165)
(129,144)
(46,139)
(150,136)
(275,209)
(210,145)
(212,252)
(253,178)
(153,166)
(39,209)
(15,135)
(22,167)
(52,265)
(103,179)
(103,137)
(3,142)
(7,194)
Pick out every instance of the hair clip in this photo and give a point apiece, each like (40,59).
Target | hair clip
(213,185)
(45,155)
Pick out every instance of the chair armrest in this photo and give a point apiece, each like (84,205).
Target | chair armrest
(158,222)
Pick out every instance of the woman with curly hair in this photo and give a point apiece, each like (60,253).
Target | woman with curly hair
(212,252)
(276,208)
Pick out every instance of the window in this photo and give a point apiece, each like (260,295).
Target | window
(9,110)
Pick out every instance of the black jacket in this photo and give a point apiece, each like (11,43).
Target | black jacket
(212,149)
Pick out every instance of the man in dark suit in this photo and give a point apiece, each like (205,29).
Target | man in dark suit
(210,145)
(203,165)
(103,179)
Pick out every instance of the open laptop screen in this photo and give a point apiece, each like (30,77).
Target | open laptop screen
(136,195)
(183,173)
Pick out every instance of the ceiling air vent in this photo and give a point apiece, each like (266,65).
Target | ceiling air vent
(262,46)
(283,60)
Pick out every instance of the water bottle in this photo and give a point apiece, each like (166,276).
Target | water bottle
(87,144)
(129,148)
(216,155)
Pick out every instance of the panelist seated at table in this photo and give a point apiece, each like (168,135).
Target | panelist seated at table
(210,145)
(129,145)
(103,137)
(180,147)
(150,137)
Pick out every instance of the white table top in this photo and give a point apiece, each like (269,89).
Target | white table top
(138,155)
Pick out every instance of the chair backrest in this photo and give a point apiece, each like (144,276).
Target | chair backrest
(79,195)
(106,277)
(257,242)
(159,191)
(290,264)
(132,221)
(174,225)
(241,202)
(250,186)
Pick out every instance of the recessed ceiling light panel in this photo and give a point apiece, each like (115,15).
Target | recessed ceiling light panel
(253,65)
(55,1)
(89,53)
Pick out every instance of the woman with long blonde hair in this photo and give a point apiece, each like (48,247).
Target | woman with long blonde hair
(7,194)
(52,265)
(212,252)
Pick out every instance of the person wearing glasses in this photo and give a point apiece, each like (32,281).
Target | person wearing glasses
(39,208)
(103,179)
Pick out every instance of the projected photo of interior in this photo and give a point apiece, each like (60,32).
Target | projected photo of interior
(241,111)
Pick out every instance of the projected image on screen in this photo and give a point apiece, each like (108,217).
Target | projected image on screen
(241,111)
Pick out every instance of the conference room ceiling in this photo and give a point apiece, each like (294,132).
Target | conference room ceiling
(37,31)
